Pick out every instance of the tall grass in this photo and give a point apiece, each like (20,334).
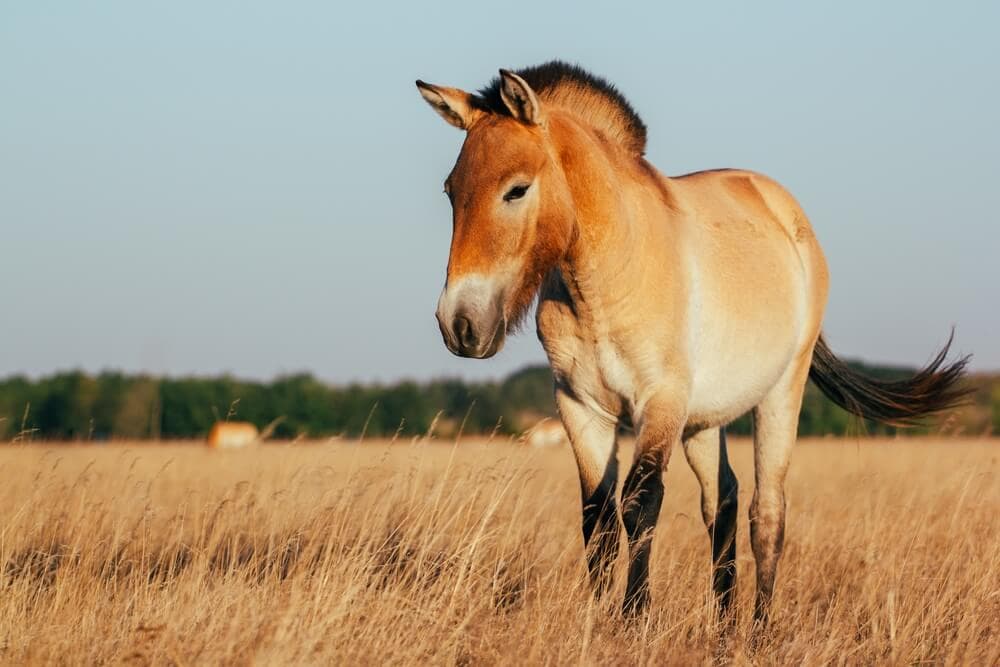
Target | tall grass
(429,553)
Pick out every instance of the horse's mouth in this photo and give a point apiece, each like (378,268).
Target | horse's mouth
(494,345)
(499,338)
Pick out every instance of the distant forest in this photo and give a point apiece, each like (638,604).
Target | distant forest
(78,406)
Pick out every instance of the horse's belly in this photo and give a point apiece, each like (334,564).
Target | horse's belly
(736,366)
(720,396)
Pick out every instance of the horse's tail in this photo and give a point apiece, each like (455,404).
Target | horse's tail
(935,388)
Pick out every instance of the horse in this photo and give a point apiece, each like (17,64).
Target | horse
(676,303)
(232,435)
(546,433)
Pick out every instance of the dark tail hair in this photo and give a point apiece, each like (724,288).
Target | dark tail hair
(935,388)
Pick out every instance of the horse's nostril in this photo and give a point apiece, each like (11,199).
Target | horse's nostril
(464,333)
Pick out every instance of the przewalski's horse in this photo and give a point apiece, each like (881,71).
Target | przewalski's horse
(680,303)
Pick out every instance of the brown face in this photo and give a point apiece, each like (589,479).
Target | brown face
(502,240)
(511,226)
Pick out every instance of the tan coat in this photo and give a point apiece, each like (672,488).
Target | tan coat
(677,302)
(230,435)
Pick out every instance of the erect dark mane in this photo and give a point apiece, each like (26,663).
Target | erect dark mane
(591,97)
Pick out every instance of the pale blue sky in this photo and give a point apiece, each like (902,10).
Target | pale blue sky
(198,187)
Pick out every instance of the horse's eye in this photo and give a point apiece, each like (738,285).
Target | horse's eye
(515,192)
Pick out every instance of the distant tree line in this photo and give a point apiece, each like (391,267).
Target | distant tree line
(78,406)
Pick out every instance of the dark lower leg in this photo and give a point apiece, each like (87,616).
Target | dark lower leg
(723,532)
(767,536)
(641,501)
(601,530)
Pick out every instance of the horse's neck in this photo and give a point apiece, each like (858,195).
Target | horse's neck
(603,263)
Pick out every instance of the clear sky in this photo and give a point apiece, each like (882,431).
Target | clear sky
(200,187)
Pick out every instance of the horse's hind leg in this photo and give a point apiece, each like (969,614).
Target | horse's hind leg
(706,452)
(776,421)
(593,439)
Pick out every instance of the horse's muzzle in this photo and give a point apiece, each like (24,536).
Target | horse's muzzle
(466,337)
(471,322)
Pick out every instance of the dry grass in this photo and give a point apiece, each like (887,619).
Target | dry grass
(424,553)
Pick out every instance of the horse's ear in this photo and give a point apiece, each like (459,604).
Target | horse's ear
(454,105)
(519,98)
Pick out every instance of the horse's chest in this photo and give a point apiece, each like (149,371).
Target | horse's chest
(595,371)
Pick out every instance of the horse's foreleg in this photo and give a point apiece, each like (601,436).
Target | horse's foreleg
(593,439)
(775,427)
(707,455)
(642,497)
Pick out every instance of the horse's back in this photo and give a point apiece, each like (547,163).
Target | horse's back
(752,228)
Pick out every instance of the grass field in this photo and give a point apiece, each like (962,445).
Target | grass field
(370,553)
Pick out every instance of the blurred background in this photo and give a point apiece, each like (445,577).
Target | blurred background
(212,209)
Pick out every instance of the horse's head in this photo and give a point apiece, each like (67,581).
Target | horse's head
(511,211)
